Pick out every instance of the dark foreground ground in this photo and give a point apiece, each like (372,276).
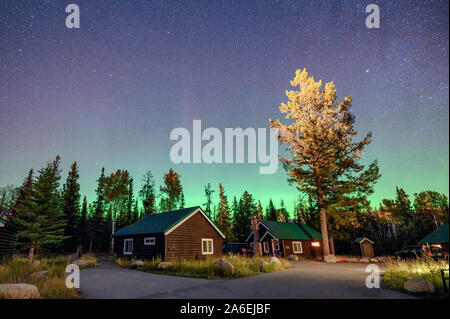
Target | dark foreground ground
(304,280)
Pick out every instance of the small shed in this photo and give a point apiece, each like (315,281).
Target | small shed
(438,237)
(363,246)
(7,239)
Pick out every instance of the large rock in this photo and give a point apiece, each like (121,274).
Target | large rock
(137,263)
(365,260)
(292,257)
(225,266)
(374,260)
(39,274)
(164,265)
(19,291)
(419,285)
(275,260)
(329,259)
(352,260)
(83,262)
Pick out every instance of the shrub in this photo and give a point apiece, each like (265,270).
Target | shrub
(52,285)
(397,272)
(206,268)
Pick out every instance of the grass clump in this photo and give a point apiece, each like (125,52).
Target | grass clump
(53,284)
(207,268)
(397,272)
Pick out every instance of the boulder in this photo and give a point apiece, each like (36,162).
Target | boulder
(39,274)
(19,291)
(329,259)
(224,265)
(82,262)
(419,285)
(164,265)
(263,265)
(364,260)
(292,257)
(352,260)
(373,260)
(36,263)
(274,260)
(137,263)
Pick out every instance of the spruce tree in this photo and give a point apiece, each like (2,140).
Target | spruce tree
(208,195)
(82,229)
(147,193)
(223,219)
(271,212)
(71,208)
(243,219)
(40,217)
(98,228)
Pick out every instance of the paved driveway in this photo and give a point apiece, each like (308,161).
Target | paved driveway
(305,280)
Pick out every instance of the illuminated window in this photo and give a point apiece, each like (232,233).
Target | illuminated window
(297,247)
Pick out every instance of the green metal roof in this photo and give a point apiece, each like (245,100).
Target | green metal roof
(156,223)
(439,235)
(291,230)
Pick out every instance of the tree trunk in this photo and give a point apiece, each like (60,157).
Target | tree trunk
(323,223)
(113,228)
(31,255)
(333,252)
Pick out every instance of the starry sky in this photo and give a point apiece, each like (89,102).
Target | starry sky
(109,94)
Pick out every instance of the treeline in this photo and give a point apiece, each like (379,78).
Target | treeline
(55,218)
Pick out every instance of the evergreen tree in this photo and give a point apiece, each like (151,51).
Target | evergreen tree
(148,193)
(98,228)
(182,202)
(208,195)
(82,229)
(171,191)
(242,221)
(40,218)
(271,212)
(325,159)
(71,207)
(223,219)
(282,213)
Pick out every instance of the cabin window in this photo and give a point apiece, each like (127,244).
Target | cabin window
(128,246)
(297,247)
(266,247)
(149,241)
(207,246)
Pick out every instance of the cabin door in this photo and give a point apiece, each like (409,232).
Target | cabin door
(275,247)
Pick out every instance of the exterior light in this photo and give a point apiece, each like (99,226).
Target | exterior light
(315,244)
(437,245)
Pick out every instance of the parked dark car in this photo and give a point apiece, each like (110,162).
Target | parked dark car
(411,252)
(237,249)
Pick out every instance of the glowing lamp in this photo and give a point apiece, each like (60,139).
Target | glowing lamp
(315,244)
(437,245)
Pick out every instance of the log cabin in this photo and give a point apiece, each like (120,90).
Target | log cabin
(180,234)
(287,238)
(7,238)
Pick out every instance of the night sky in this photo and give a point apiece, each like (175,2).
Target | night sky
(109,94)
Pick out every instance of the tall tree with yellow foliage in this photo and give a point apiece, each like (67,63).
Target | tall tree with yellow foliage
(320,135)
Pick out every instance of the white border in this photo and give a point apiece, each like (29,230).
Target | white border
(301,247)
(149,238)
(124,246)
(212,246)
(189,216)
